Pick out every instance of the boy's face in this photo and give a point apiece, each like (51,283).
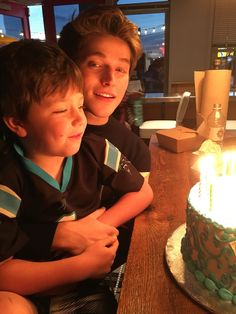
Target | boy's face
(55,126)
(105,68)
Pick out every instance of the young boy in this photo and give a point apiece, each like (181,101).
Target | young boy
(49,176)
(106,46)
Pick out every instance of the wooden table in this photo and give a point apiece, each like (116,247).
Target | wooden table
(148,286)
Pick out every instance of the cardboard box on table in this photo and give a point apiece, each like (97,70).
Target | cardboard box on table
(179,139)
(211,87)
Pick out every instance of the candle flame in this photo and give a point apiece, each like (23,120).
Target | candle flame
(217,186)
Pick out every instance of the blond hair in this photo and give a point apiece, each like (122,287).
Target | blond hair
(108,20)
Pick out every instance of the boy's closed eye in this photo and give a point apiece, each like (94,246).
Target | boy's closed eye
(62,110)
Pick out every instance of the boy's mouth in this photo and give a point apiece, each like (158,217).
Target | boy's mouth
(76,135)
(105,95)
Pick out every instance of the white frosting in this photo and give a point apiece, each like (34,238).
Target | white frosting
(216,201)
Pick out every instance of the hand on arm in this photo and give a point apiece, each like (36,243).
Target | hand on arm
(75,236)
(26,277)
(128,206)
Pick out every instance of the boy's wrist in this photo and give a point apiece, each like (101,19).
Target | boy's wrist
(65,239)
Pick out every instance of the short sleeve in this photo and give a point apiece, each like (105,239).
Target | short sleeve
(12,239)
(119,172)
(23,239)
(129,144)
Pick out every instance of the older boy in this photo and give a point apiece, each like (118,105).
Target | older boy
(106,46)
(47,175)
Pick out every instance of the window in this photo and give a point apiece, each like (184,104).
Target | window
(224,37)
(151,20)
(152,33)
(64,14)
(11,26)
(10,29)
(13,23)
(36,22)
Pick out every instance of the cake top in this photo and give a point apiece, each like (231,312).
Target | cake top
(216,200)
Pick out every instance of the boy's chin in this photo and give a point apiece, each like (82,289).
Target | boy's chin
(71,152)
(101,114)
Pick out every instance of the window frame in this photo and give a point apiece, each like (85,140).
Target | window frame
(19,11)
(49,17)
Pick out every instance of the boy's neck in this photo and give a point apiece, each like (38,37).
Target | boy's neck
(52,165)
(94,120)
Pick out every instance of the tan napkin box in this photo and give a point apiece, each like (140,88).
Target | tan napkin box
(179,139)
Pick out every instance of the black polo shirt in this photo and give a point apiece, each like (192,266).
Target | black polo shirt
(30,197)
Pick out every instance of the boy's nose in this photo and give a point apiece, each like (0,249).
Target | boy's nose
(107,76)
(78,116)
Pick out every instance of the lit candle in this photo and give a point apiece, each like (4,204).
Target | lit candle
(207,174)
(217,183)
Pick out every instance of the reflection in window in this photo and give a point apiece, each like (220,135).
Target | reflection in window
(152,32)
(224,38)
(64,14)
(11,29)
(36,22)
(225,58)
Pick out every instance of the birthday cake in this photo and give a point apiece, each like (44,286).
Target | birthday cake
(209,244)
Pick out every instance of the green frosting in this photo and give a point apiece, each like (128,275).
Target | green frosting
(207,246)
(191,267)
(199,276)
(225,294)
(210,285)
(234,299)
(229,230)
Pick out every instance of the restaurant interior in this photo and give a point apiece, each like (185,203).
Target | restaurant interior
(196,36)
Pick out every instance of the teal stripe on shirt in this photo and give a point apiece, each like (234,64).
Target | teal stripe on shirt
(112,156)
(9,204)
(32,167)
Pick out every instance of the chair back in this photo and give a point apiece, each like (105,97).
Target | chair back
(182,108)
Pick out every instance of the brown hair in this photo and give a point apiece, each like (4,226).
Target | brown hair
(107,20)
(31,70)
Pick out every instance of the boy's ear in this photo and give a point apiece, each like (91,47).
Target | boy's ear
(15,126)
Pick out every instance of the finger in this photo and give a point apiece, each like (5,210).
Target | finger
(115,245)
(108,241)
(97,213)
(114,232)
